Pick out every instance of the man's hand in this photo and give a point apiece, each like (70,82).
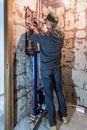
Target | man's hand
(44,28)
(35,29)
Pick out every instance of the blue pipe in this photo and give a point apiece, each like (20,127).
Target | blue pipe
(35,83)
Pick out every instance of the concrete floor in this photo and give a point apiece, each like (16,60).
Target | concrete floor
(77,121)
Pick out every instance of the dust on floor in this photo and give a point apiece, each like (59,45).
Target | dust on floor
(77,121)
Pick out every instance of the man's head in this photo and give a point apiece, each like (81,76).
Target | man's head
(51,20)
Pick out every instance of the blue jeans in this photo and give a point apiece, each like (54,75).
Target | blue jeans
(50,77)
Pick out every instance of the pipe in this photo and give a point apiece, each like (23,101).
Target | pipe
(35,83)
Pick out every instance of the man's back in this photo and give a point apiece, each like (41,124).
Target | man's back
(50,47)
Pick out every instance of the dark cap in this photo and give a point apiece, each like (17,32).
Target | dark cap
(52,17)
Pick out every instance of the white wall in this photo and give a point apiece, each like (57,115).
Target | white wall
(1,47)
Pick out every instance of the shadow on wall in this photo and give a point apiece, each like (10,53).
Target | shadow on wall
(23,78)
(23,81)
(19,79)
(68,86)
(67,66)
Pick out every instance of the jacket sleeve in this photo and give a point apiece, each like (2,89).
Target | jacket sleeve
(37,38)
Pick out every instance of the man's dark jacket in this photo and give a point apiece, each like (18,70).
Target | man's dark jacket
(50,47)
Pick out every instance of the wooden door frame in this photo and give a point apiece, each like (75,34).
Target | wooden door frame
(8,66)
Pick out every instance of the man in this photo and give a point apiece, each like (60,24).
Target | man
(51,41)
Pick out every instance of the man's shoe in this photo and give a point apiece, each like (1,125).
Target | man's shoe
(65,120)
(53,127)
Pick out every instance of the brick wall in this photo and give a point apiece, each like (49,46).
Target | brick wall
(72,20)
(23,64)
(24,11)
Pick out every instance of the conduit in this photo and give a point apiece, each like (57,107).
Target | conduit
(35,83)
